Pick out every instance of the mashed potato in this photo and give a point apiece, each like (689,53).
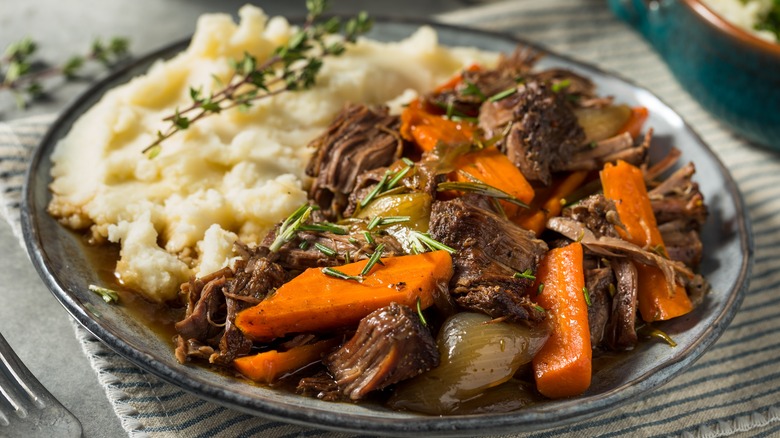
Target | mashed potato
(227,177)
(744,14)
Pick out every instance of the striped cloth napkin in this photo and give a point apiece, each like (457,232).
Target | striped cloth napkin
(734,389)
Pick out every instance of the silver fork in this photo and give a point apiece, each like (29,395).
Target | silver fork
(27,409)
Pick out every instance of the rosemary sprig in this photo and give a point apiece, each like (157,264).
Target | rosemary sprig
(480,188)
(373,260)
(108,295)
(527,274)
(432,244)
(324,227)
(387,183)
(502,94)
(290,226)
(333,272)
(291,67)
(379,221)
(21,73)
(328,251)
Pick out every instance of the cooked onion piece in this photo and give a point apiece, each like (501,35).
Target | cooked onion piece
(602,123)
(476,354)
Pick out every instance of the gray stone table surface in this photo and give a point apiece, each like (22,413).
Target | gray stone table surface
(31,319)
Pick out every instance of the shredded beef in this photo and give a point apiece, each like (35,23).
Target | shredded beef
(390,345)
(214,301)
(359,139)
(620,334)
(598,280)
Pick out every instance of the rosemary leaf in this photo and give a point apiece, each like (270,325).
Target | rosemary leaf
(527,274)
(328,251)
(480,188)
(419,312)
(373,260)
(586,294)
(333,272)
(431,243)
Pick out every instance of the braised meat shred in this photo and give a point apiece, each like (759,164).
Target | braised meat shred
(532,118)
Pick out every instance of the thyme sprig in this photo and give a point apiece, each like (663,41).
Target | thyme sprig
(23,75)
(291,67)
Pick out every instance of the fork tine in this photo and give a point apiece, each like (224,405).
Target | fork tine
(33,410)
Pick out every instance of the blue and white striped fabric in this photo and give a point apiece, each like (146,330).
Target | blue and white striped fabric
(734,389)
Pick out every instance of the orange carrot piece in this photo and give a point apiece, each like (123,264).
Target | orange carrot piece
(269,366)
(535,219)
(625,185)
(563,366)
(634,124)
(456,79)
(493,168)
(428,130)
(314,301)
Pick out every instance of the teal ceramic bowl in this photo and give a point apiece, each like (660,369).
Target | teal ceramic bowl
(732,73)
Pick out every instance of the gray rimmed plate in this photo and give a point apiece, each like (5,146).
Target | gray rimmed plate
(64,263)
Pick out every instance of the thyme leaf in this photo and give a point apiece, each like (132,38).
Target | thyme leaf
(108,295)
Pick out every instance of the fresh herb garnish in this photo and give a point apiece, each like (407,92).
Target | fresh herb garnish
(373,260)
(540,289)
(328,251)
(291,67)
(586,294)
(502,94)
(380,221)
(333,272)
(561,85)
(290,226)
(21,76)
(419,312)
(369,237)
(480,188)
(527,274)
(378,188)
(324,227)
(108,295)
(539,308)
(422,240)
(472,90)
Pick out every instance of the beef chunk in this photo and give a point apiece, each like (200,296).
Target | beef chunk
(621,333)
(597,213)
(359,139)
(490,250)
(501,302)
(598,280)
(390,345)
(619,147)
(678,197)
(682,241)
(321,385)
(543,130)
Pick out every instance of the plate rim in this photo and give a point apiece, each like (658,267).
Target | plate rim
(333,420)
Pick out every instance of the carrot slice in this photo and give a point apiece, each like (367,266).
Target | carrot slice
(625,185)
(563,366)
(427,130)
(536,218)
(269,366)
(314,301)
(635,122)
(493,168)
